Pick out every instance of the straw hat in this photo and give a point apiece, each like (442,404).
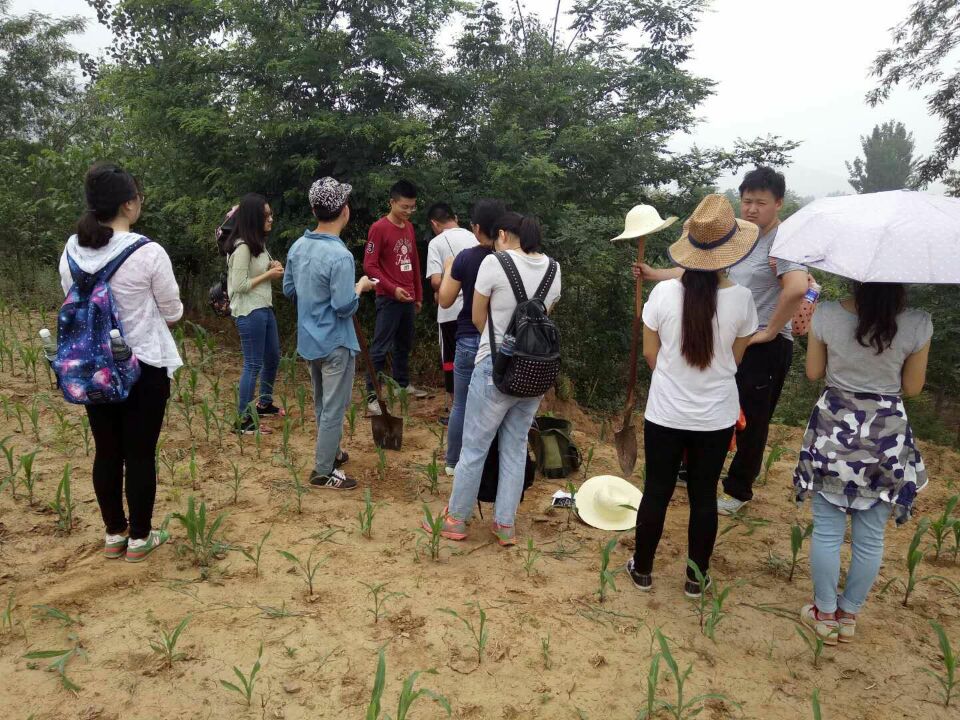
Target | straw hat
(608,502)
(713,239)
(643,220)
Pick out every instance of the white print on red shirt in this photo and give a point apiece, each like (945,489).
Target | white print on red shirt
(402,251)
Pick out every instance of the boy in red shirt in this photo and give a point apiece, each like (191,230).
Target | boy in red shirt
(391,258)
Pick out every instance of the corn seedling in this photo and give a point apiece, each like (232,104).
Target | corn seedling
(12,468)
(478,631)
(774,455)
(431,473)
(6,617)
(587,462)
(296,484)
(545,652)
(208,415)
(913,560)
(285,437)
(169,461)
(956,540)
(308,569)
(352,419)
(948,678)
(202,540)
(431,537)
(716,612)
(29,479)
(166,645)
(813,642)
(237,479)
(530,556)
(253,555)
(5,404)
(247,682)
(215,388)
(606,575)
(48,612)
(28,358)
(365,516)
(380,597)
(815,704)
(683,708)
(193,467)
(408,696)
(20,410)
(301,394)
(943,526)
(34,415)
(60,660)
(797,536)
(381,464)
(62,504)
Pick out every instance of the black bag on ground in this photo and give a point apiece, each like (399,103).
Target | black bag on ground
(529,368)
(490,478)
(556,454)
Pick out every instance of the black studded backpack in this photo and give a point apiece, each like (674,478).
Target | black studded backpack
(529,368)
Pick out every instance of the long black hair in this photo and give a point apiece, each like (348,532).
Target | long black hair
(878,305)
(106,186)
(699,310)
(248,224)
(485,213)
(525,227)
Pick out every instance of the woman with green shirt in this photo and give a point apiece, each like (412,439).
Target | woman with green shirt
(251,272)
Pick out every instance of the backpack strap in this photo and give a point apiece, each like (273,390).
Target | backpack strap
(547,282)
(513,276)
(107,271)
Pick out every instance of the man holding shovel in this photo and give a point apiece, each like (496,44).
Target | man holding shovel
(319,278)
(778,287)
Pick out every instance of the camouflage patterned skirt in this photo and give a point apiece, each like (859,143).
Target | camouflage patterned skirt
(861,445)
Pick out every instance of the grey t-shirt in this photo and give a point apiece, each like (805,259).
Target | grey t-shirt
(855,368)
(754,272)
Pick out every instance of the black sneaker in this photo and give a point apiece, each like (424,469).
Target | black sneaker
(334,481)
(682,476)
(341,459)
(246,426)
(691,588)
(267,410)
(643,581)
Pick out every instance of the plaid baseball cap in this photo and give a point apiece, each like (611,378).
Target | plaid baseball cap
(329,195)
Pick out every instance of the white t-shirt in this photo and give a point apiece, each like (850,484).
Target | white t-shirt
(448,244)
(492,281)
(684,397)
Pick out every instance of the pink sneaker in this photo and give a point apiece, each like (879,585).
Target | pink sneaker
(506,534)
(453,528)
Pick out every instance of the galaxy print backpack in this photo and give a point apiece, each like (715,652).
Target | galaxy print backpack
(86,369)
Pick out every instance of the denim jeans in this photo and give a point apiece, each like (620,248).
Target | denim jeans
(393,335)
(491,412)
(332,378)
(260,343)
(829,526)
(462,373)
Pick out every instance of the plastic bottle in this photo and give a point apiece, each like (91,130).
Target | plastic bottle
(502,360)
(121,351)
(801,318)
(507,346)
(49,345)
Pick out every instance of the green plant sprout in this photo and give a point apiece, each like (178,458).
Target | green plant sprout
(530,556)
(253,555)
(301,394)
(237,479)
(48,612)
(432,537)
(285,437)
(948,678)
(307,568)
(296,484)
(62,504)
(914,558)
(942,527)
(797,536)
(60,660)
(34,415)
(380,597)
(29,479)
(815,704)
(545,652)
(814,643)
(408,696)
(606,575)
(166,645)
(682,708)
(773,457)
(247,682)
(478,631)
(202,540)
(365,516)
(194,470)
(6,617)
(431,473)
(352,419)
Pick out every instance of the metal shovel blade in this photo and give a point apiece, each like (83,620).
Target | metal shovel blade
(387,430)
(625,441)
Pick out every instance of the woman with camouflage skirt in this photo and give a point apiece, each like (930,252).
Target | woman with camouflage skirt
(859,458)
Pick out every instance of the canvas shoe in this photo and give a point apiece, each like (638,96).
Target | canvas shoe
(373,407)
(643,581)
(453,528)
(692,589)
(137,550)
(417,393)
(336,480)
(270,409)
(115,546)
(826,629)
(848,627)
(729,505)
(506,534)
(450,471)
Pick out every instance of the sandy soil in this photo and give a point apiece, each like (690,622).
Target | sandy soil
(320,651)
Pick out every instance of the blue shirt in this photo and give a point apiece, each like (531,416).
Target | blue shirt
(465,267)
(319,277)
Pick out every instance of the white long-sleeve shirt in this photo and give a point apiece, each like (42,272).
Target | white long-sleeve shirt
(145,293)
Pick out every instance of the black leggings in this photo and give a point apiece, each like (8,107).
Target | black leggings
(126,435)
(705,453)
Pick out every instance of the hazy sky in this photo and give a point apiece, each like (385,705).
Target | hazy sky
(795,69)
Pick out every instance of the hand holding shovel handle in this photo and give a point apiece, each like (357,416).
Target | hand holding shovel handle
(626,438)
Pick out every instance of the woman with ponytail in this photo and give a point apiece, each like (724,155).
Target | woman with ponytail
(490,412)
(147,299)
(859,458)
(695,331)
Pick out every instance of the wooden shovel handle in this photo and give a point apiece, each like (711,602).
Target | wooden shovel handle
(365,351)
(635,335)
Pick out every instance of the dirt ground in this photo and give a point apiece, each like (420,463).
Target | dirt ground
(554,650)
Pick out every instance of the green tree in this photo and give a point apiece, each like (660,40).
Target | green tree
(887,162)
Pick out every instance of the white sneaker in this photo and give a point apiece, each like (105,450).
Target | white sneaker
(373,408)
(728,505)
(417,392)
(450,471)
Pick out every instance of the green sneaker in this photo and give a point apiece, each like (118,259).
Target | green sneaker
(114,546)
(137,550)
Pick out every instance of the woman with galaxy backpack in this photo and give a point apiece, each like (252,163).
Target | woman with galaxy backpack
(136,300)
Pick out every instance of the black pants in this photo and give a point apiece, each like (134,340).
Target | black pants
(393,334)
(664,448)
(448,349)
(126,436)
(760,380)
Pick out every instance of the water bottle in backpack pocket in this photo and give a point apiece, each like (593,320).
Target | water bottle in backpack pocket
(93,363)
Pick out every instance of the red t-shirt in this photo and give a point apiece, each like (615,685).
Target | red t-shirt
(391,257)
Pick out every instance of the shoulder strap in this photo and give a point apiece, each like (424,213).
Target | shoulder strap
(547,282)
(513,276)
(75,272)
(107,271)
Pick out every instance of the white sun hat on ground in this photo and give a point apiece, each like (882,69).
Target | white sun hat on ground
(608,502)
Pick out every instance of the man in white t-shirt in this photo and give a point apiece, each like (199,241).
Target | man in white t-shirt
(449,240)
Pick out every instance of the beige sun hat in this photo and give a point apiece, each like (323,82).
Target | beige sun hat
(643,220)
(713,238)
(608,502)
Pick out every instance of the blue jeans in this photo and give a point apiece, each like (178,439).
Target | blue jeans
(829,526)
(462,373)
(332,387)
(491,412)
(260,343)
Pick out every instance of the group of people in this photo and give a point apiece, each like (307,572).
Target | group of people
(716,335)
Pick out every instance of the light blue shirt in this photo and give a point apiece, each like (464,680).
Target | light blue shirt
(319,277)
